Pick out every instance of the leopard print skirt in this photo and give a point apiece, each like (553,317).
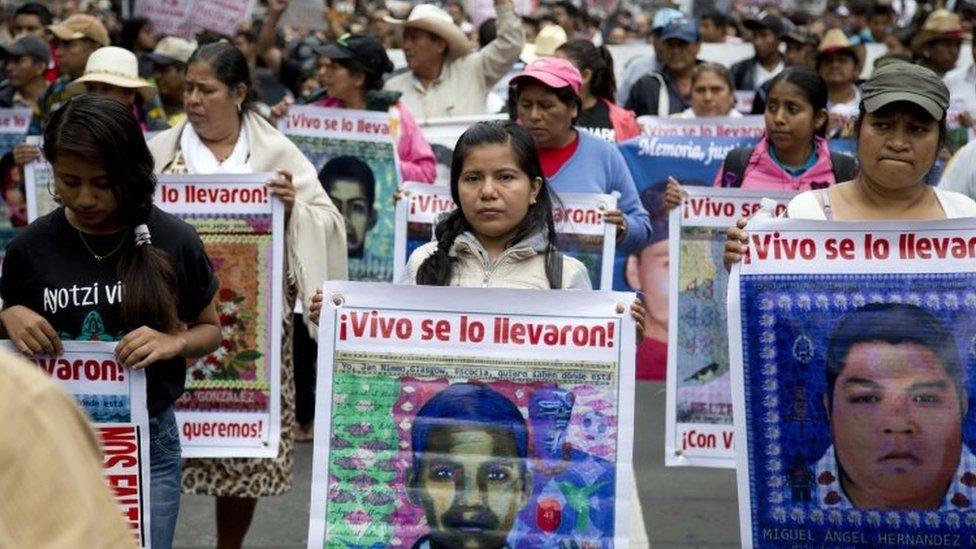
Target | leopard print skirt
(250,477)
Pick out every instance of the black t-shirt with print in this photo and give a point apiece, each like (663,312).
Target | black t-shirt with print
(49,270)
(596,121)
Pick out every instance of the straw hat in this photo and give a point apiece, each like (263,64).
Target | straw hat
(939,25)
(430,18)
(546,43)
(114,66)
(836,41)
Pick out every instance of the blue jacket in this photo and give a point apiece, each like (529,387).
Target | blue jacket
(598,167)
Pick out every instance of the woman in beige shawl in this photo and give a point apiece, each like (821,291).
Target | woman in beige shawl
(222,136)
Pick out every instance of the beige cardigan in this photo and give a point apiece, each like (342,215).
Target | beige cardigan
(315,237)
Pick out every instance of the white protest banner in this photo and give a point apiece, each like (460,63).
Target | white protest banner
(38,183)
(13,127)
(115,399)
(305,14)
(354,152)
(409,369)
(707,126)
(442,134)
(724,54)
(698,417)
(852,353)
(231,406)
(181,17)
(581,231)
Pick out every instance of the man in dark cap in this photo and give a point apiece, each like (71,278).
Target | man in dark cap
(668,90)
(26,61)
(767,31)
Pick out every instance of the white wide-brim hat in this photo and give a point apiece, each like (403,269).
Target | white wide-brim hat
(116,67)
(430,18)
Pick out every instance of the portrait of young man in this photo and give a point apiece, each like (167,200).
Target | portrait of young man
(469,472)
(896,403)
(350,184)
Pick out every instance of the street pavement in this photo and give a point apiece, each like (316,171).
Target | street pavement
(683,507)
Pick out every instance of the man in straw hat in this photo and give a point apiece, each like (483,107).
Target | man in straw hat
(113,72)
(839,65)
(445,78)
(937,45)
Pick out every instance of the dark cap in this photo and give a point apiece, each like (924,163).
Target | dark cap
(364,51)
(28,46)
(906,82)
(765,20)
(802,35)
(685,30)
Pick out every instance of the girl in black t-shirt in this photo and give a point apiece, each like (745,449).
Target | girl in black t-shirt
(110,266)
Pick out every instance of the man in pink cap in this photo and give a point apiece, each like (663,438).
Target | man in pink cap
(445,78)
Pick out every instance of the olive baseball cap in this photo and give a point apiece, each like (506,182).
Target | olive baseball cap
(906,82)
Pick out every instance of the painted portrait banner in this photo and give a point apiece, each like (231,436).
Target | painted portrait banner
(698,418)
(718,126)
(354,153)
(231,404)
(453,415)
(581,231)
(114,397)
(853,353)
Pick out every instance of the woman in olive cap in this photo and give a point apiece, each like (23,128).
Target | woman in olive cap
(901,126)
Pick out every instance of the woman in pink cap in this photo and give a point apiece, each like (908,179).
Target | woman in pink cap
(547,100)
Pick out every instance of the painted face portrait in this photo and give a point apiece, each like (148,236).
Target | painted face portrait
(469,472)
(350,184)
(896,411)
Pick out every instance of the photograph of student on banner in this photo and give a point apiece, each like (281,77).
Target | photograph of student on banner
(461,435)
(647,273)
(350,184)
(896,402)
(107,236)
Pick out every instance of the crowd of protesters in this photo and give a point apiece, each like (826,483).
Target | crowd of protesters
(95,82)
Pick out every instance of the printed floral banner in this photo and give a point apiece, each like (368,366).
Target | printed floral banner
(699,392)
(580,229)
(231,405)
(456,416)
(115,399)
(354,153)
(853,352)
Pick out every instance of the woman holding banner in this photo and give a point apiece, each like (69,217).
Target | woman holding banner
(502,233)
(351,70)
(548,104)
(899,130)
(223,135)
(109,236)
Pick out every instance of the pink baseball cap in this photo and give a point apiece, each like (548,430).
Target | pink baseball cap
(552,72)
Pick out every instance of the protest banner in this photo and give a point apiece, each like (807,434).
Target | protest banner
(355,154)
(181,17)
(698,417)
(305,14)
(114,397)
(411,372)
(692,160)
(581,231)
(231,404)
(442,134)
(852,353)
(38,183)
(752,126)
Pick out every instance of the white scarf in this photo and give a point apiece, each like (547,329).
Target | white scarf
(199,159)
